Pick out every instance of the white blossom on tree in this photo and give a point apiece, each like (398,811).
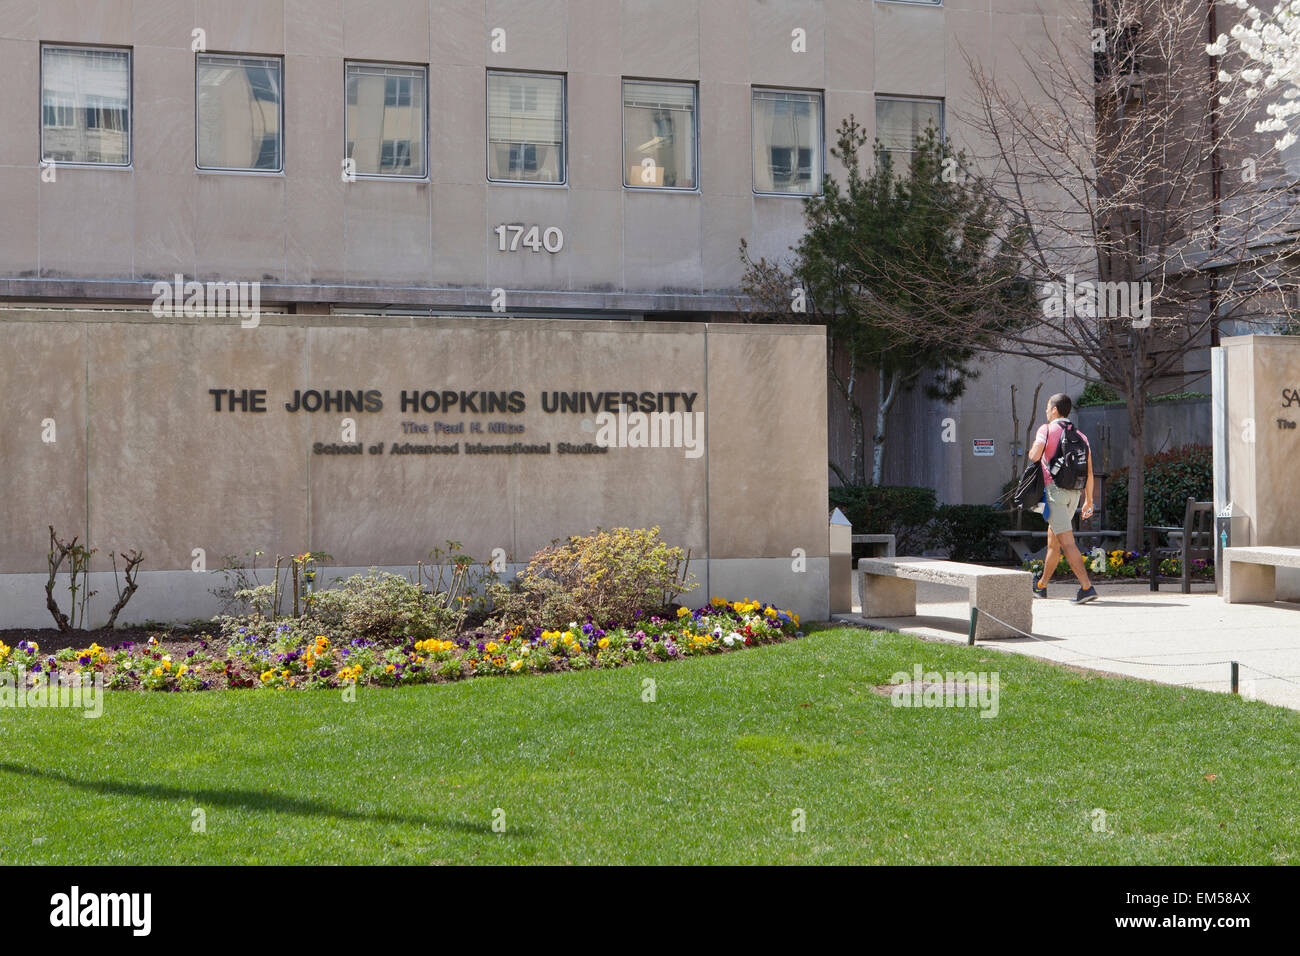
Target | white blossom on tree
(1270,43)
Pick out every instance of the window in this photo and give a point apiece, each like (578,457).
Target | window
(239,113)
(86,105)
(526,128)
(387,120)
(395,154)
(900,120)
(787,140)
(659,135)
(523,99)
(523,156)
(397,91)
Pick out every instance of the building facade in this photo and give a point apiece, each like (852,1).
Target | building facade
(565,158)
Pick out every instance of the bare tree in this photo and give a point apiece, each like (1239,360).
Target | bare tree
(1150,209)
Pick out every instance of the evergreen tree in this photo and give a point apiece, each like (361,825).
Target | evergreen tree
(887,259)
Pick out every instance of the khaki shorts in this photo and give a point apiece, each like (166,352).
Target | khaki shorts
(1060,509)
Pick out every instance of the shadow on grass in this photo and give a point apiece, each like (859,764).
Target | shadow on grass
(250,800)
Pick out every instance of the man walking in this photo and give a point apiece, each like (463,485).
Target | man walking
(1062,451)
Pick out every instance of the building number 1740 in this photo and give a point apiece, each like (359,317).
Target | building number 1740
(533,237)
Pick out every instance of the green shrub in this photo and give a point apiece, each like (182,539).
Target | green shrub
(377,605)
(1098,393)
(383,607)
(1171,478)
(969,532)
(900,510)
(1178,396)
(609,575)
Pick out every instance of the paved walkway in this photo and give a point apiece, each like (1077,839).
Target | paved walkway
(1163,636)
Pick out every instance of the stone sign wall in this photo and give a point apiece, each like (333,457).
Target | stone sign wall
(376,440)
(1263,435)
(1257,443)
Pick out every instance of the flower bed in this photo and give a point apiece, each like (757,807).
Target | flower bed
(1120,564)
(285,655)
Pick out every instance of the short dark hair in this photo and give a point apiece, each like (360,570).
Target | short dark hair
(1061,402)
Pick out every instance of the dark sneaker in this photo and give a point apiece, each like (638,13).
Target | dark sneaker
(1039,592)
(1084,596)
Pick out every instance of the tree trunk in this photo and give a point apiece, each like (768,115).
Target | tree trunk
(857,426)
(1137,455)
(858,433)
(887,396)
(857,429)
(1015,437)
(1030,429)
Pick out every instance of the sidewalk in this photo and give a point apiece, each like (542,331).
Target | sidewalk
(1163,636)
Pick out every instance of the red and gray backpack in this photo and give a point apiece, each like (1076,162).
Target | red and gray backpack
(1069,466)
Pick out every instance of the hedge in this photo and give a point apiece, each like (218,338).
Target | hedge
(1171,478)
(918,522)
(900,510)
(970,532)
(1098,393)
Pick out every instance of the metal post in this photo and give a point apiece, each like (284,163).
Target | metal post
(974,616)
(1153,562)
(1219,446)
(1234,677)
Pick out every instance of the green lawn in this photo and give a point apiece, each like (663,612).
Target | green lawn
(710,772)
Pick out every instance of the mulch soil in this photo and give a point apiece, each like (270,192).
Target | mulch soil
(176,640)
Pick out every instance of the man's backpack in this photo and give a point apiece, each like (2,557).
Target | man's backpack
(1069,466)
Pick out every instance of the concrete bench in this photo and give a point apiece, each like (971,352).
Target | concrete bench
(874,546)
(1019,542)
(888,588)
(878,545)
(1250,574)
